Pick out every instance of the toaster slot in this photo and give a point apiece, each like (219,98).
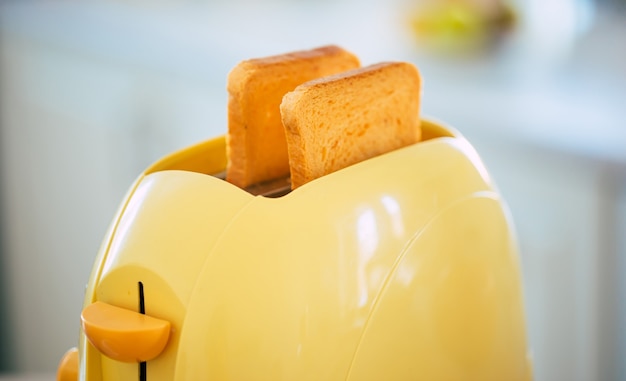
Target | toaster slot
(272,189)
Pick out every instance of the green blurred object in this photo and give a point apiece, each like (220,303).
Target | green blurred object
(461,26)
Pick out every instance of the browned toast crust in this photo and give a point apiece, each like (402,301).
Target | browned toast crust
(256,145)
(342,119)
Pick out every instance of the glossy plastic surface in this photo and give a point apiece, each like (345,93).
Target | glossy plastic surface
(122,334)
(68,366)
(399,267)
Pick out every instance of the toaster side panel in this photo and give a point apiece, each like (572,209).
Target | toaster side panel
(165,234)
(292,282)
(453,308)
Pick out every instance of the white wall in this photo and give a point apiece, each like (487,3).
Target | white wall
(76,131)
(556,203)
(620,284)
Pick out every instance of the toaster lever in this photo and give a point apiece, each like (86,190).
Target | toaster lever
(122,334)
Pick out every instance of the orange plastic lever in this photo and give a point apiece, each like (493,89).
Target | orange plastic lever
(124,335)
(68,367)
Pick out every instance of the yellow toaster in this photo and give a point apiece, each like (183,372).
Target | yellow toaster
(401,267)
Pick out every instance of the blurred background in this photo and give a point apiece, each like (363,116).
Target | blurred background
(91,92)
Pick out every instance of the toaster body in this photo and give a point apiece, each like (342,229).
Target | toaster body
(401,267)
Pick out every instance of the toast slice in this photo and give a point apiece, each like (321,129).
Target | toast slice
(336,121)
(255,142)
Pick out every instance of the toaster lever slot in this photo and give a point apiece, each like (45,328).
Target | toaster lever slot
(143,366)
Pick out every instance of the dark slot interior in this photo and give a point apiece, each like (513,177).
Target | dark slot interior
(143,366)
